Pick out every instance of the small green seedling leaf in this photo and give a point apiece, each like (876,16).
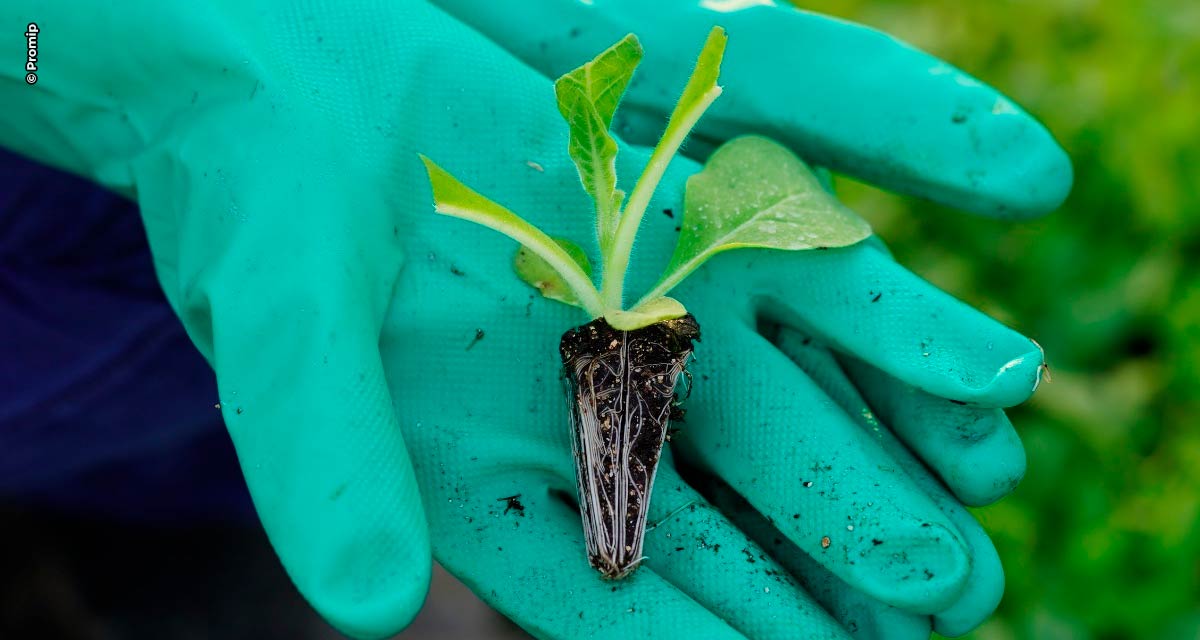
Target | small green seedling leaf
(538,273)
(700,92)
(587,99)
(453,198)
(602,81)
(646,314)
(701,88)
(754,192)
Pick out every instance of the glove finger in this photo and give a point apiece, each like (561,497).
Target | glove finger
(843,95)
(519,546)
(976,452)
(702,553)
(865,304)
(295,347)
(862,616)
(985,585)
(765,428)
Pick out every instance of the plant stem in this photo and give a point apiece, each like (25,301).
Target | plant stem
(541,244)
(617,262)
(666,284)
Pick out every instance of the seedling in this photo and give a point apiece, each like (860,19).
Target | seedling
(623,366)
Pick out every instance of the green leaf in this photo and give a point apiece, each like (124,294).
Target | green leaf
(538,273)
(646,314)
(587,99)
(602,81)
(453,198)
(702,87)
(753,192)
(698,94)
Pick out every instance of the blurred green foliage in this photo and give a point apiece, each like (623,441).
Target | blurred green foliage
(1101,539)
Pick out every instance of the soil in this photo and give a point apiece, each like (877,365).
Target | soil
(513,503)
(622,395)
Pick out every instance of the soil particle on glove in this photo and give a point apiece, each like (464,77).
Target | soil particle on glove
(513,503)
(479,334)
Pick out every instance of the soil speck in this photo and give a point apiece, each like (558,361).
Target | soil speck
(456,271)
(478,336)
(513,503)
(825,542)
(669,213)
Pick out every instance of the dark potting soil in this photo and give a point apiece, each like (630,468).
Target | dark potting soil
(622,395)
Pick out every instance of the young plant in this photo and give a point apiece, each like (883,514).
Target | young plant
(623,365)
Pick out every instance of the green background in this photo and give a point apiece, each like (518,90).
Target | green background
(1101,539)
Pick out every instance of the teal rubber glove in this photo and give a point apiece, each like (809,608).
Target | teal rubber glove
(845,96)
(250,136)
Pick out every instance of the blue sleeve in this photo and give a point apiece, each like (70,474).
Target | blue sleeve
(104,402)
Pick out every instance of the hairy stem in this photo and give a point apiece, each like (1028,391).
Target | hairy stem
(617,264)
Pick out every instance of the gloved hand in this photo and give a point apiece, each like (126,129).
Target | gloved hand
(273,155)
